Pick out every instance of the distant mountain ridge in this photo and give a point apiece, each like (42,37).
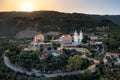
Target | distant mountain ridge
(12,23)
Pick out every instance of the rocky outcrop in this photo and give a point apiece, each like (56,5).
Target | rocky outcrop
(26,34)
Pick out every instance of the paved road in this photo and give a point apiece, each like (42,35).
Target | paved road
(36,72)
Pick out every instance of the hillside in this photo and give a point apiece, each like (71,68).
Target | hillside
(12,23)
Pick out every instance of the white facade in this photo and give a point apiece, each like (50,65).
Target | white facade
(78,37)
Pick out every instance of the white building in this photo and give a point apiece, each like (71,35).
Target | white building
(93,37)
(78,37)
(68,40)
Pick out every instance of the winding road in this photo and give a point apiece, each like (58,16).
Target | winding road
(36,72)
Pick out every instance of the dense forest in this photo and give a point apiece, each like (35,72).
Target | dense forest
(44,21)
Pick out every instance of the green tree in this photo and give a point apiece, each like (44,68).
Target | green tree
(28,60)
(74,63)
(103,78)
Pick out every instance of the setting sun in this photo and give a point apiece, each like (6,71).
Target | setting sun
(27,7)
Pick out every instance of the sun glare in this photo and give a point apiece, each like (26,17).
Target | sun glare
(27,7)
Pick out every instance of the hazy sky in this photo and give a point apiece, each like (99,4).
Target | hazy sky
(81,6)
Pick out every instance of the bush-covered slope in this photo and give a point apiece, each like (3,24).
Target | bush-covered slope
(43,21)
